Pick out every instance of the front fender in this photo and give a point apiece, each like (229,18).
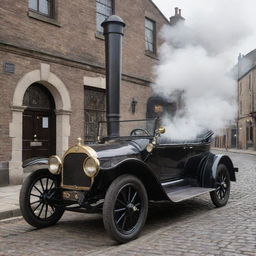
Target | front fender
(139,169)
(35,163)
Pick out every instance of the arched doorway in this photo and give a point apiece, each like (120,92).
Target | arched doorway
(39,123)
(62,101)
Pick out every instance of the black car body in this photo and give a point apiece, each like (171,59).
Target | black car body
(118,175)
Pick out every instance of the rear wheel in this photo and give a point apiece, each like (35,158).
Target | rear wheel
(125,208)
(36,205)
(221,195)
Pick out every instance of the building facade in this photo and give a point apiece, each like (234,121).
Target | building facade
(246,122)
(242,133)
(53,73)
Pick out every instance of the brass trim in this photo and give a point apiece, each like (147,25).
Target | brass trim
(81,149)
(97,163)
(78,148)
(76,187)
(60,164)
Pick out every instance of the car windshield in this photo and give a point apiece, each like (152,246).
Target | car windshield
(127,128)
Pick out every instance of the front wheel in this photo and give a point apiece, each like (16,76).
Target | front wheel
(220,196)
(125,208)
(36,205)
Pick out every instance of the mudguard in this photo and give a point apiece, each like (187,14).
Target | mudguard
(140,169)
(208,174)
(35,163)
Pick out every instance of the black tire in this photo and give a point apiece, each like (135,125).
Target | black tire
(125,208)
(221,195)
(40,212)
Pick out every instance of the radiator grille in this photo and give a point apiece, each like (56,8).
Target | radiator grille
(73,174)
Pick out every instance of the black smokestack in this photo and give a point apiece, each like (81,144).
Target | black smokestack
(113,32)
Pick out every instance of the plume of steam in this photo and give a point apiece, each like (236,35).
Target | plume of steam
(196,60)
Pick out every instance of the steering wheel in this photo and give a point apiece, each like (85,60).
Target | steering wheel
(139,131)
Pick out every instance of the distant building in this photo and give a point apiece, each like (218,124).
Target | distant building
(53,73)
(242,134)
(246,123)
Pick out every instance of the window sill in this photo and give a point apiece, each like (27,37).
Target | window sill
(99,35)
(43,18)
(151,55)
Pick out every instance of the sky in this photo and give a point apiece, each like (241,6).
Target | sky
(196,59)
(191,10)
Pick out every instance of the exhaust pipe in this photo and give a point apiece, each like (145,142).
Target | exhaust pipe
(113,33)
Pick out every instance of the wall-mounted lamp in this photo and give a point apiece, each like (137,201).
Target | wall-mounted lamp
(133,105)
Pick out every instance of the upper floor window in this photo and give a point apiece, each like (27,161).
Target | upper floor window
(240,88)
(44,7)
(150,35)
(104,9)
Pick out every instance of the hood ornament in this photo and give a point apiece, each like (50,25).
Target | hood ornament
(79,141)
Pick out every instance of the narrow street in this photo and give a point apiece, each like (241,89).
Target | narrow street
(194,227)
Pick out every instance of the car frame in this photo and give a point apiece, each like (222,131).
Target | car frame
(119,175)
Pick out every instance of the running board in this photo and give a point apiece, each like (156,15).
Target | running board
(186,192)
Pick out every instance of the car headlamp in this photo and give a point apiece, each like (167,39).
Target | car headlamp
(55,165)
(91,166)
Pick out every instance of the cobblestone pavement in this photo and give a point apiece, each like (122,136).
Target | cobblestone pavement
(194,227)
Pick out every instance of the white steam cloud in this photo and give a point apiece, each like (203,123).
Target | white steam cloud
(196,59)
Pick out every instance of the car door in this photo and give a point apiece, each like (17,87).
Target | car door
(168,161)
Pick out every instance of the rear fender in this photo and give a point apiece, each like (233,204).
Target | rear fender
(209,172)
(223,159)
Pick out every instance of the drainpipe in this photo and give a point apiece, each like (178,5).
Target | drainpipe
(113,32)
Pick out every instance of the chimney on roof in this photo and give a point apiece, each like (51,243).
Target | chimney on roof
(176,11)
(240,57)
(177,17)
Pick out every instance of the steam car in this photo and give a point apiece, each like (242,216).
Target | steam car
(120,174)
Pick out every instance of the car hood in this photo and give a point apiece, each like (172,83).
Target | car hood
(118,148)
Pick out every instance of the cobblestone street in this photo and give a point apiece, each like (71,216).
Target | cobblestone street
(194,227)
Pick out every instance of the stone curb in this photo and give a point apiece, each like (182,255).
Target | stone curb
(10,214)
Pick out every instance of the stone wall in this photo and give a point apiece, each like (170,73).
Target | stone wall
(59,54)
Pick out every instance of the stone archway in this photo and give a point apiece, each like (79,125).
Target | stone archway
(63,111)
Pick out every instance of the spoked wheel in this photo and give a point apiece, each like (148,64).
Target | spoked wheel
(36,202)
(125,208)
(221,195)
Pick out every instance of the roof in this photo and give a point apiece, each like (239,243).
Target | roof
(151,1)
(246,63)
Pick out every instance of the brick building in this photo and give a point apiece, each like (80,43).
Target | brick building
(52,73)
(242,133)
(246,122)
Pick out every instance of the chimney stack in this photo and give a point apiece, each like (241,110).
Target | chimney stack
(113,32)
(177,17)
(176,11)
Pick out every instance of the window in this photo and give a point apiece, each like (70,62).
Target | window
(250,82)
(44,7)
(150,35)
(104,9)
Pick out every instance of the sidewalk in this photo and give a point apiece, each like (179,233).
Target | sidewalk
(9,195)
(9,201)
(234,150)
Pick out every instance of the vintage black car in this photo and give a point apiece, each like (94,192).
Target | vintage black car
(119,175)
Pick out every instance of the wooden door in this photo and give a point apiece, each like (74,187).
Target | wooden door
(39,123)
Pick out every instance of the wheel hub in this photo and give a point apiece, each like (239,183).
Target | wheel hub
(131,208)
